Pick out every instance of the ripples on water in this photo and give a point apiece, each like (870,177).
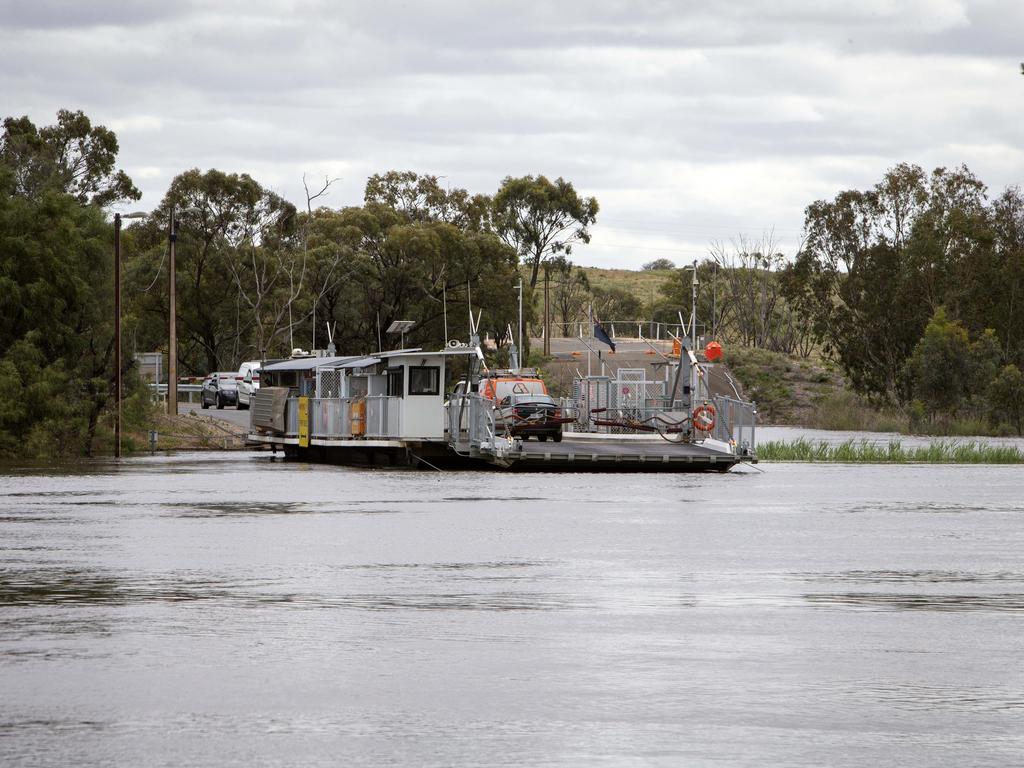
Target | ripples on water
(230,610)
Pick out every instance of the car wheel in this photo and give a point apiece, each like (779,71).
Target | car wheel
(542,438)
(203,403)
(557,437)
(243,406)
(220,403)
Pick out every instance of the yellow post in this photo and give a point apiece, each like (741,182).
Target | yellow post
(304,422)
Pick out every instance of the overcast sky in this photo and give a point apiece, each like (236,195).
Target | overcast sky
(689,121)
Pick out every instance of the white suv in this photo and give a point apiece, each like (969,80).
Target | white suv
(248,382)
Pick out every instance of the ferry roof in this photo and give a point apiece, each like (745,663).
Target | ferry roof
(419,352)
(308,363)
(357,361)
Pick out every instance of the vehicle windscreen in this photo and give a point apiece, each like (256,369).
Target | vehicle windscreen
(504,389)
(227,381)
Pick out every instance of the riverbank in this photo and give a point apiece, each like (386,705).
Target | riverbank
(190,431)
(813,393)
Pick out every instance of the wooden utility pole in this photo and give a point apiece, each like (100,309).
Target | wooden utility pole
(172,329)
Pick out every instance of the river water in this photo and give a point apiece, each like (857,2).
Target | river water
(230,610)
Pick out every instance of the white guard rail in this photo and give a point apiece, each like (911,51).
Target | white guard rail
(470,423)
(331,417)
(735,420)
(383,417)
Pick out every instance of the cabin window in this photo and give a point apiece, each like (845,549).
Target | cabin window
(395,381)
(424,380)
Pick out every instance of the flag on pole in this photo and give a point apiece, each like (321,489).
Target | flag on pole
(600,334)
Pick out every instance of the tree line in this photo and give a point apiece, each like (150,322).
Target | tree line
(256,275)
(915,287)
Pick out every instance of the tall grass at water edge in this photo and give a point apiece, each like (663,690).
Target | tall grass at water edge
(866,452)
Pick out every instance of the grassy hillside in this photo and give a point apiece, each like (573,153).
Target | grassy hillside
(643,285)
(787,389)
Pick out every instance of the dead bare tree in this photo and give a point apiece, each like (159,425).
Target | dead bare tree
(757,310)
(324,285)
(267,270)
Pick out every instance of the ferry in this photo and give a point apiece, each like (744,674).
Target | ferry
(443,409)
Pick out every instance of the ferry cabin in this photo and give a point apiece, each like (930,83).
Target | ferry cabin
(397,395)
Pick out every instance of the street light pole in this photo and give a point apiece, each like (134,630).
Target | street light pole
(693,309)
(714,298)
(520,360)
(117,334)
(117,326)
(172,331)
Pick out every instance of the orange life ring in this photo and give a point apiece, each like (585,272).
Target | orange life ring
(704,418)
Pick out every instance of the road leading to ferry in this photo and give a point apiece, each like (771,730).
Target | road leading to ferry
(227,609)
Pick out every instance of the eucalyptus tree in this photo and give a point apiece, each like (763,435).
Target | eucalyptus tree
(541,219)
(570,290)
(239,269)
(420,197)
(72,156)
(398,269)
(56,341)
(876,265)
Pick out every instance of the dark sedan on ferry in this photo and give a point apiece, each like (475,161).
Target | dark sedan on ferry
(529,415)
(220,389)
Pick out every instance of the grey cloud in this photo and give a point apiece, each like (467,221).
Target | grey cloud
(714,116)
(69,14)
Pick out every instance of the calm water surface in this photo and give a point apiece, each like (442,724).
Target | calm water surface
(227,610)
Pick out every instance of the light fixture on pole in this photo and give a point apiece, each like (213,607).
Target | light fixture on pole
(714,296)
(172,323)
(693,309)
(117,324)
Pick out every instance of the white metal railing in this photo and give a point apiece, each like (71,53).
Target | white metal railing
(383,416)
(735,420)
(471,423)
(331,417)
(291,417)
(625,329)
(630,398)
(651,418)
(596,409)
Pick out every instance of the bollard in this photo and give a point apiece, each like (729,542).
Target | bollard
(152,440)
